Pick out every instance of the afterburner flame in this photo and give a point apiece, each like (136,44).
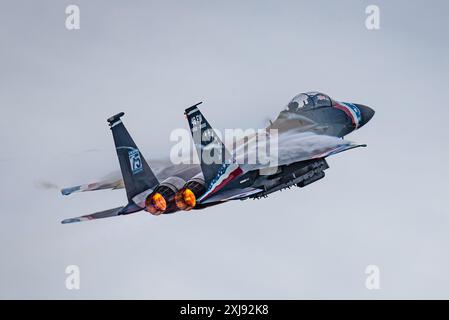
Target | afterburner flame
(185,199)
(156,204)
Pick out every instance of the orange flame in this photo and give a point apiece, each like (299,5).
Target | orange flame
(156,204)
(185,199)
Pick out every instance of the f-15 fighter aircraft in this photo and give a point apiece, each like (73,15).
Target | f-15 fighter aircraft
(310,129)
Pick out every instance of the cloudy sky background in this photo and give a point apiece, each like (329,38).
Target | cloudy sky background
(384,205)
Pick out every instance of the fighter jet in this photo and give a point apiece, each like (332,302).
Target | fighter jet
(311,128)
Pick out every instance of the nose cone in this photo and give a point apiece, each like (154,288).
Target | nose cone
(367,114)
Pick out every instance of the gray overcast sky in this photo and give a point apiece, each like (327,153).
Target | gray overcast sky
(383,205)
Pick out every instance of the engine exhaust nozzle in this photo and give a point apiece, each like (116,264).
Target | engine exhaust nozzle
(156,204)
(185,199)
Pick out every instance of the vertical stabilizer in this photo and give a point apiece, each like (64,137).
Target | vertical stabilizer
(137,175)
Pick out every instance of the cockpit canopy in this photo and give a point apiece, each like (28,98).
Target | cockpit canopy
(309,100)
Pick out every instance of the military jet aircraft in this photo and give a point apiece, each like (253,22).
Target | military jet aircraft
(310,129)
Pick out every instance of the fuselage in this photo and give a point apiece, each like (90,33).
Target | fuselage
(307,112)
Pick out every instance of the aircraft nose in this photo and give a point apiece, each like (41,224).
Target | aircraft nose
(367,114)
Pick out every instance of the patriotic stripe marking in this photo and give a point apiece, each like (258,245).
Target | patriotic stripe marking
(351,111)
(231,172)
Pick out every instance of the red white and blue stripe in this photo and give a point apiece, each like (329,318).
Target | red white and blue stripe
(225,175)
(351,111)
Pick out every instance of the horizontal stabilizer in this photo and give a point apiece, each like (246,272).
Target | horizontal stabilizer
(98,215)
(130,208)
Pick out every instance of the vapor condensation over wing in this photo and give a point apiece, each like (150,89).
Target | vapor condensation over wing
(291,146)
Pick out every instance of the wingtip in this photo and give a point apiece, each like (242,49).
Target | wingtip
(70,190)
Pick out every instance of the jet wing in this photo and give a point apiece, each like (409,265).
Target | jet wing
(338,149)
(162,168)
(295,146)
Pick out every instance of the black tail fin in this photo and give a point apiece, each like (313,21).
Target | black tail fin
(211,151)
(137,175)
